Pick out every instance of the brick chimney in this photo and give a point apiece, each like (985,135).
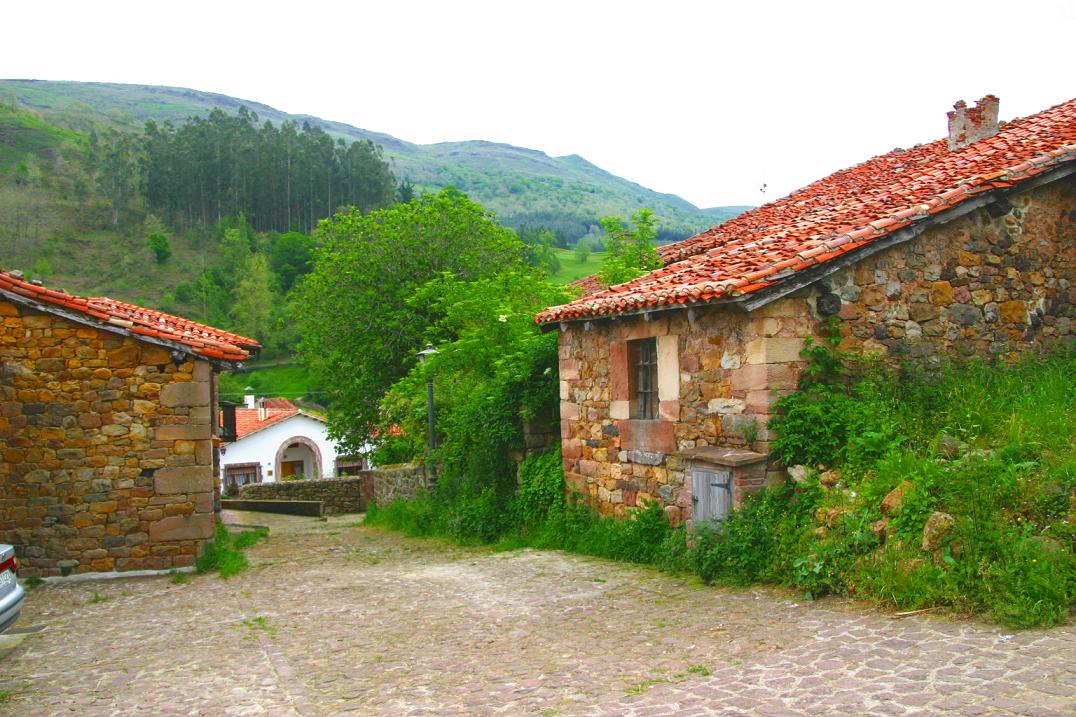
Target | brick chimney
(967,126)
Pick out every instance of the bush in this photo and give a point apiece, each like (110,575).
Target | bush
(225,554)
(757,541)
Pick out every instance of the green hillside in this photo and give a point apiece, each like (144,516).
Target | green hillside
(523,186)
(571,268)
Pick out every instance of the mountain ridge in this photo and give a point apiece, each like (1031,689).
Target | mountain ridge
(522,185)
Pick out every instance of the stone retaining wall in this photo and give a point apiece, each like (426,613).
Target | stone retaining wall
(107,460)
(346,495)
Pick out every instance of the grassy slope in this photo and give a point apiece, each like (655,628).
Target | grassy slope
(283,381)
(571,269)
(511,181)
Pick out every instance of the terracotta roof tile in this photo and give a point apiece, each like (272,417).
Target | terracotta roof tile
(835,215)
(248,420)
(199,339)
(589,285)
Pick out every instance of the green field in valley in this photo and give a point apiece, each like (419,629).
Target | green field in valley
(572,269)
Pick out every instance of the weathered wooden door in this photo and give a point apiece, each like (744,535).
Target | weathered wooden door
(711,493)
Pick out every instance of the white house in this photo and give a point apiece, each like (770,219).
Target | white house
(276,440)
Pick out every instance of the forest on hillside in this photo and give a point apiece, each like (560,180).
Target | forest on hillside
(208,168)
(214,219)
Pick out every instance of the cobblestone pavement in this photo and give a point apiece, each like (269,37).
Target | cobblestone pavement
(336,619)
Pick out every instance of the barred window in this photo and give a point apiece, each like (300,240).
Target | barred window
(643,378)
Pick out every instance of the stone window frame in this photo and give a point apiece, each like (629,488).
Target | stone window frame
(667,375)
(643,379)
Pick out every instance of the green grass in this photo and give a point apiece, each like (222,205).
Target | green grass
(571,269)
(98,598)
(24,134)
(225,555)
(260,625)
(283,381)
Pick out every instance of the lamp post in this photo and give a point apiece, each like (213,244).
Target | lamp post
(431,438)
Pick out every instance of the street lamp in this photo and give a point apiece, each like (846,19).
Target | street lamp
(431,439)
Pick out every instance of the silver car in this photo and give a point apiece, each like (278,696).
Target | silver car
(11,593)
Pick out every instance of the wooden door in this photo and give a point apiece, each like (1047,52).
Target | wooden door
(711,493)
(291,468)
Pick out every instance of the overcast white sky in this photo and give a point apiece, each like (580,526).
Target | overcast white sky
(700,99)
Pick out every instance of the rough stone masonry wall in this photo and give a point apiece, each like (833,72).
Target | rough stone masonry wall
(719,374)
(337,495)
(107,456)
(981,285)
(346,495)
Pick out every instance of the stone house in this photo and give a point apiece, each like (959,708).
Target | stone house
(963,246)
(106,431)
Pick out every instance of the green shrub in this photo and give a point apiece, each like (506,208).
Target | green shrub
(758,540)
(541,489)
(225,554)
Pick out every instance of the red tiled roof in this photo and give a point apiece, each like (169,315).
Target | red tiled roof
(248,420)
(195,338)
(590,285)
(837,214)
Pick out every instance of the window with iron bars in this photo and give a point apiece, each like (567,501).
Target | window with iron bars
(643,378)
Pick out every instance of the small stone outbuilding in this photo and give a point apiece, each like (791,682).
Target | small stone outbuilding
(960,247)
(107,416)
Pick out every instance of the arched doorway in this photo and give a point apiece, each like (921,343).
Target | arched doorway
(298,456)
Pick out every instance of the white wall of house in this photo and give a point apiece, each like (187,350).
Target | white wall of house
(261,447)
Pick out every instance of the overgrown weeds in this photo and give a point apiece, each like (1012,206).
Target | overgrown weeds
(225,556)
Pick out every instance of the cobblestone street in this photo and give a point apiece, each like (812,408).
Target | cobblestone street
(336,619)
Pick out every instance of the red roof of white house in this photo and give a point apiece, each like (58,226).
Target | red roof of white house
(273,411)
(835,215)
(113,315)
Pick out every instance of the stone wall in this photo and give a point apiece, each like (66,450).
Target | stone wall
(398,482)
(107,455)
(337,495)
(346,495)
(990,283)
(719,373)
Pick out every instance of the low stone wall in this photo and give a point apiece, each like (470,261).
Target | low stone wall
(346,495)
(337,495)
(397,482)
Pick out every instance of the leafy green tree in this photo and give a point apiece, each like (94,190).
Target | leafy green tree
(158,244)
(115,156)
(291,256)
(495,368)
(355,309)
(630,251)
(582,250)
(538,248)
(252,308)
(405,191)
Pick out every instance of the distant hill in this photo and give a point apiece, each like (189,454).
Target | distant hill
(524,186)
